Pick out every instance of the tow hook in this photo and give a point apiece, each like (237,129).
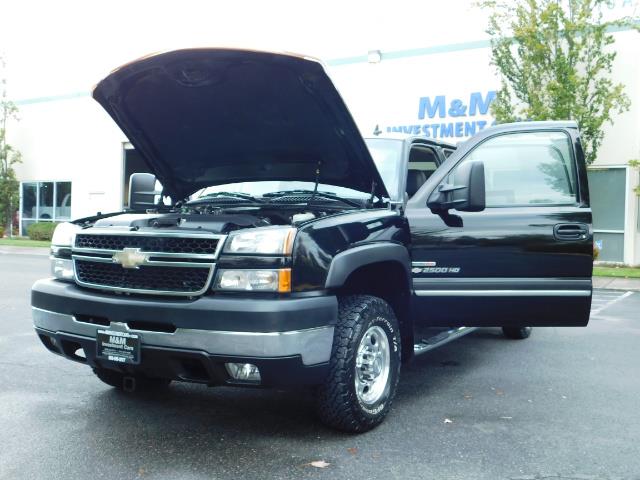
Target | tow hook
(129,384)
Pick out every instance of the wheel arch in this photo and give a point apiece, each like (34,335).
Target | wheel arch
(382,270)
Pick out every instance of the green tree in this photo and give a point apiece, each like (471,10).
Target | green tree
(635,164)
(555,60)
(9,157)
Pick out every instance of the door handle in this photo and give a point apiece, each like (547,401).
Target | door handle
(570,231)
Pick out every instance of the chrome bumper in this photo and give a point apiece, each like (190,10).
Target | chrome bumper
(313,344)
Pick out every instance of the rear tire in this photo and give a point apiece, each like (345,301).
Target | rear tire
(517,333)
(364,368)
(130,383)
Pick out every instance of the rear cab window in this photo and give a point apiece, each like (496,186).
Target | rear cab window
(423,161)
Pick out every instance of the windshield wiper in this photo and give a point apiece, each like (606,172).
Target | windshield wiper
(309,193)
(221,195)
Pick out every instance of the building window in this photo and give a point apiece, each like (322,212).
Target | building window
(29,202)
(607,187)
(44,202)
(63,201)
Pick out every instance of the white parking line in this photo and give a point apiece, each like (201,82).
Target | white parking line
(602,300)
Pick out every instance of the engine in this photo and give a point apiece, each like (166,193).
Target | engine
(213,221)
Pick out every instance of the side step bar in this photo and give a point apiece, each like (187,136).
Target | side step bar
(427,344)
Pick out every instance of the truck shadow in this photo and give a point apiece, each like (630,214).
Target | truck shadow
(185,417)
(428,372)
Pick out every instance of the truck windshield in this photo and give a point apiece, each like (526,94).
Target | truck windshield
(257,189)
(386,155)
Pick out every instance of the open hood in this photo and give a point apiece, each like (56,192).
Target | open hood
(203,117)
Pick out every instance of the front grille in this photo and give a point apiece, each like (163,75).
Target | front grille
(173,263)
(148,243)
(183,280)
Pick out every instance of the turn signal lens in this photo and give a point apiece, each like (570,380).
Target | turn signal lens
(287,247)
(284,280)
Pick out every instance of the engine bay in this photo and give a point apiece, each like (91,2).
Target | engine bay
(214,219)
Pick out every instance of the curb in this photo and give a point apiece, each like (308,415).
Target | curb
(613,283)
(38,251)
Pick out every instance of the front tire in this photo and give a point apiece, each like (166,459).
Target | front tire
(517,333)
(364,367)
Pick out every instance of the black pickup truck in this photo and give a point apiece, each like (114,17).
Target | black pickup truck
(284,249)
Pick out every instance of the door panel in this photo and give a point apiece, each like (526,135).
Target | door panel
(500,268)
(517,263)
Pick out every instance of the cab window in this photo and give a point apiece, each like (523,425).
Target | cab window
(527,169)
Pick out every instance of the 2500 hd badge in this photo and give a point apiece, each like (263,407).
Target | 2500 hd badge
(299,253)
(430,267)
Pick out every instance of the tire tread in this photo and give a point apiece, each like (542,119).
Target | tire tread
(337,403)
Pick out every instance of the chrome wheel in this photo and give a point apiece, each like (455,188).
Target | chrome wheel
(373,362)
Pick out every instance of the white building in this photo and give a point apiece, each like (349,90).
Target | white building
(77,162)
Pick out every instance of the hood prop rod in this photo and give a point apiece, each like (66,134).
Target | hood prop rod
(315,187)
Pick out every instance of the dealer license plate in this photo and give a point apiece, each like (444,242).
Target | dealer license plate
(119,347)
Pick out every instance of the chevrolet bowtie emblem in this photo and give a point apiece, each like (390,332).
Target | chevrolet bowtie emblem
(130,258)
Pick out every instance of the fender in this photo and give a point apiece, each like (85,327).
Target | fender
(348,261)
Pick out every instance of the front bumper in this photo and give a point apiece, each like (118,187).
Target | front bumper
(192,339)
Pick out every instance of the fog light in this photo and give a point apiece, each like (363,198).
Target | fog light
(246,372)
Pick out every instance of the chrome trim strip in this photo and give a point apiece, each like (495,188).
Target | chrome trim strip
(93,259)
(152,233)
(313,344)
(147,263)
(506,281)
(154,263)
(105,251)
(503,293)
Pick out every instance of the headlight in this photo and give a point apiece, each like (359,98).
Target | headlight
(254,280)
(61,263)
(62,268)
(268,241)
(63,237)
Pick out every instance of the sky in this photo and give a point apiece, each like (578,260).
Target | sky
(57,47)
(60,47)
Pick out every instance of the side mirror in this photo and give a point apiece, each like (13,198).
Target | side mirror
(142,191)
(467,194)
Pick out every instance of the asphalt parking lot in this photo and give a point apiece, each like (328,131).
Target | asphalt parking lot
(563,404)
